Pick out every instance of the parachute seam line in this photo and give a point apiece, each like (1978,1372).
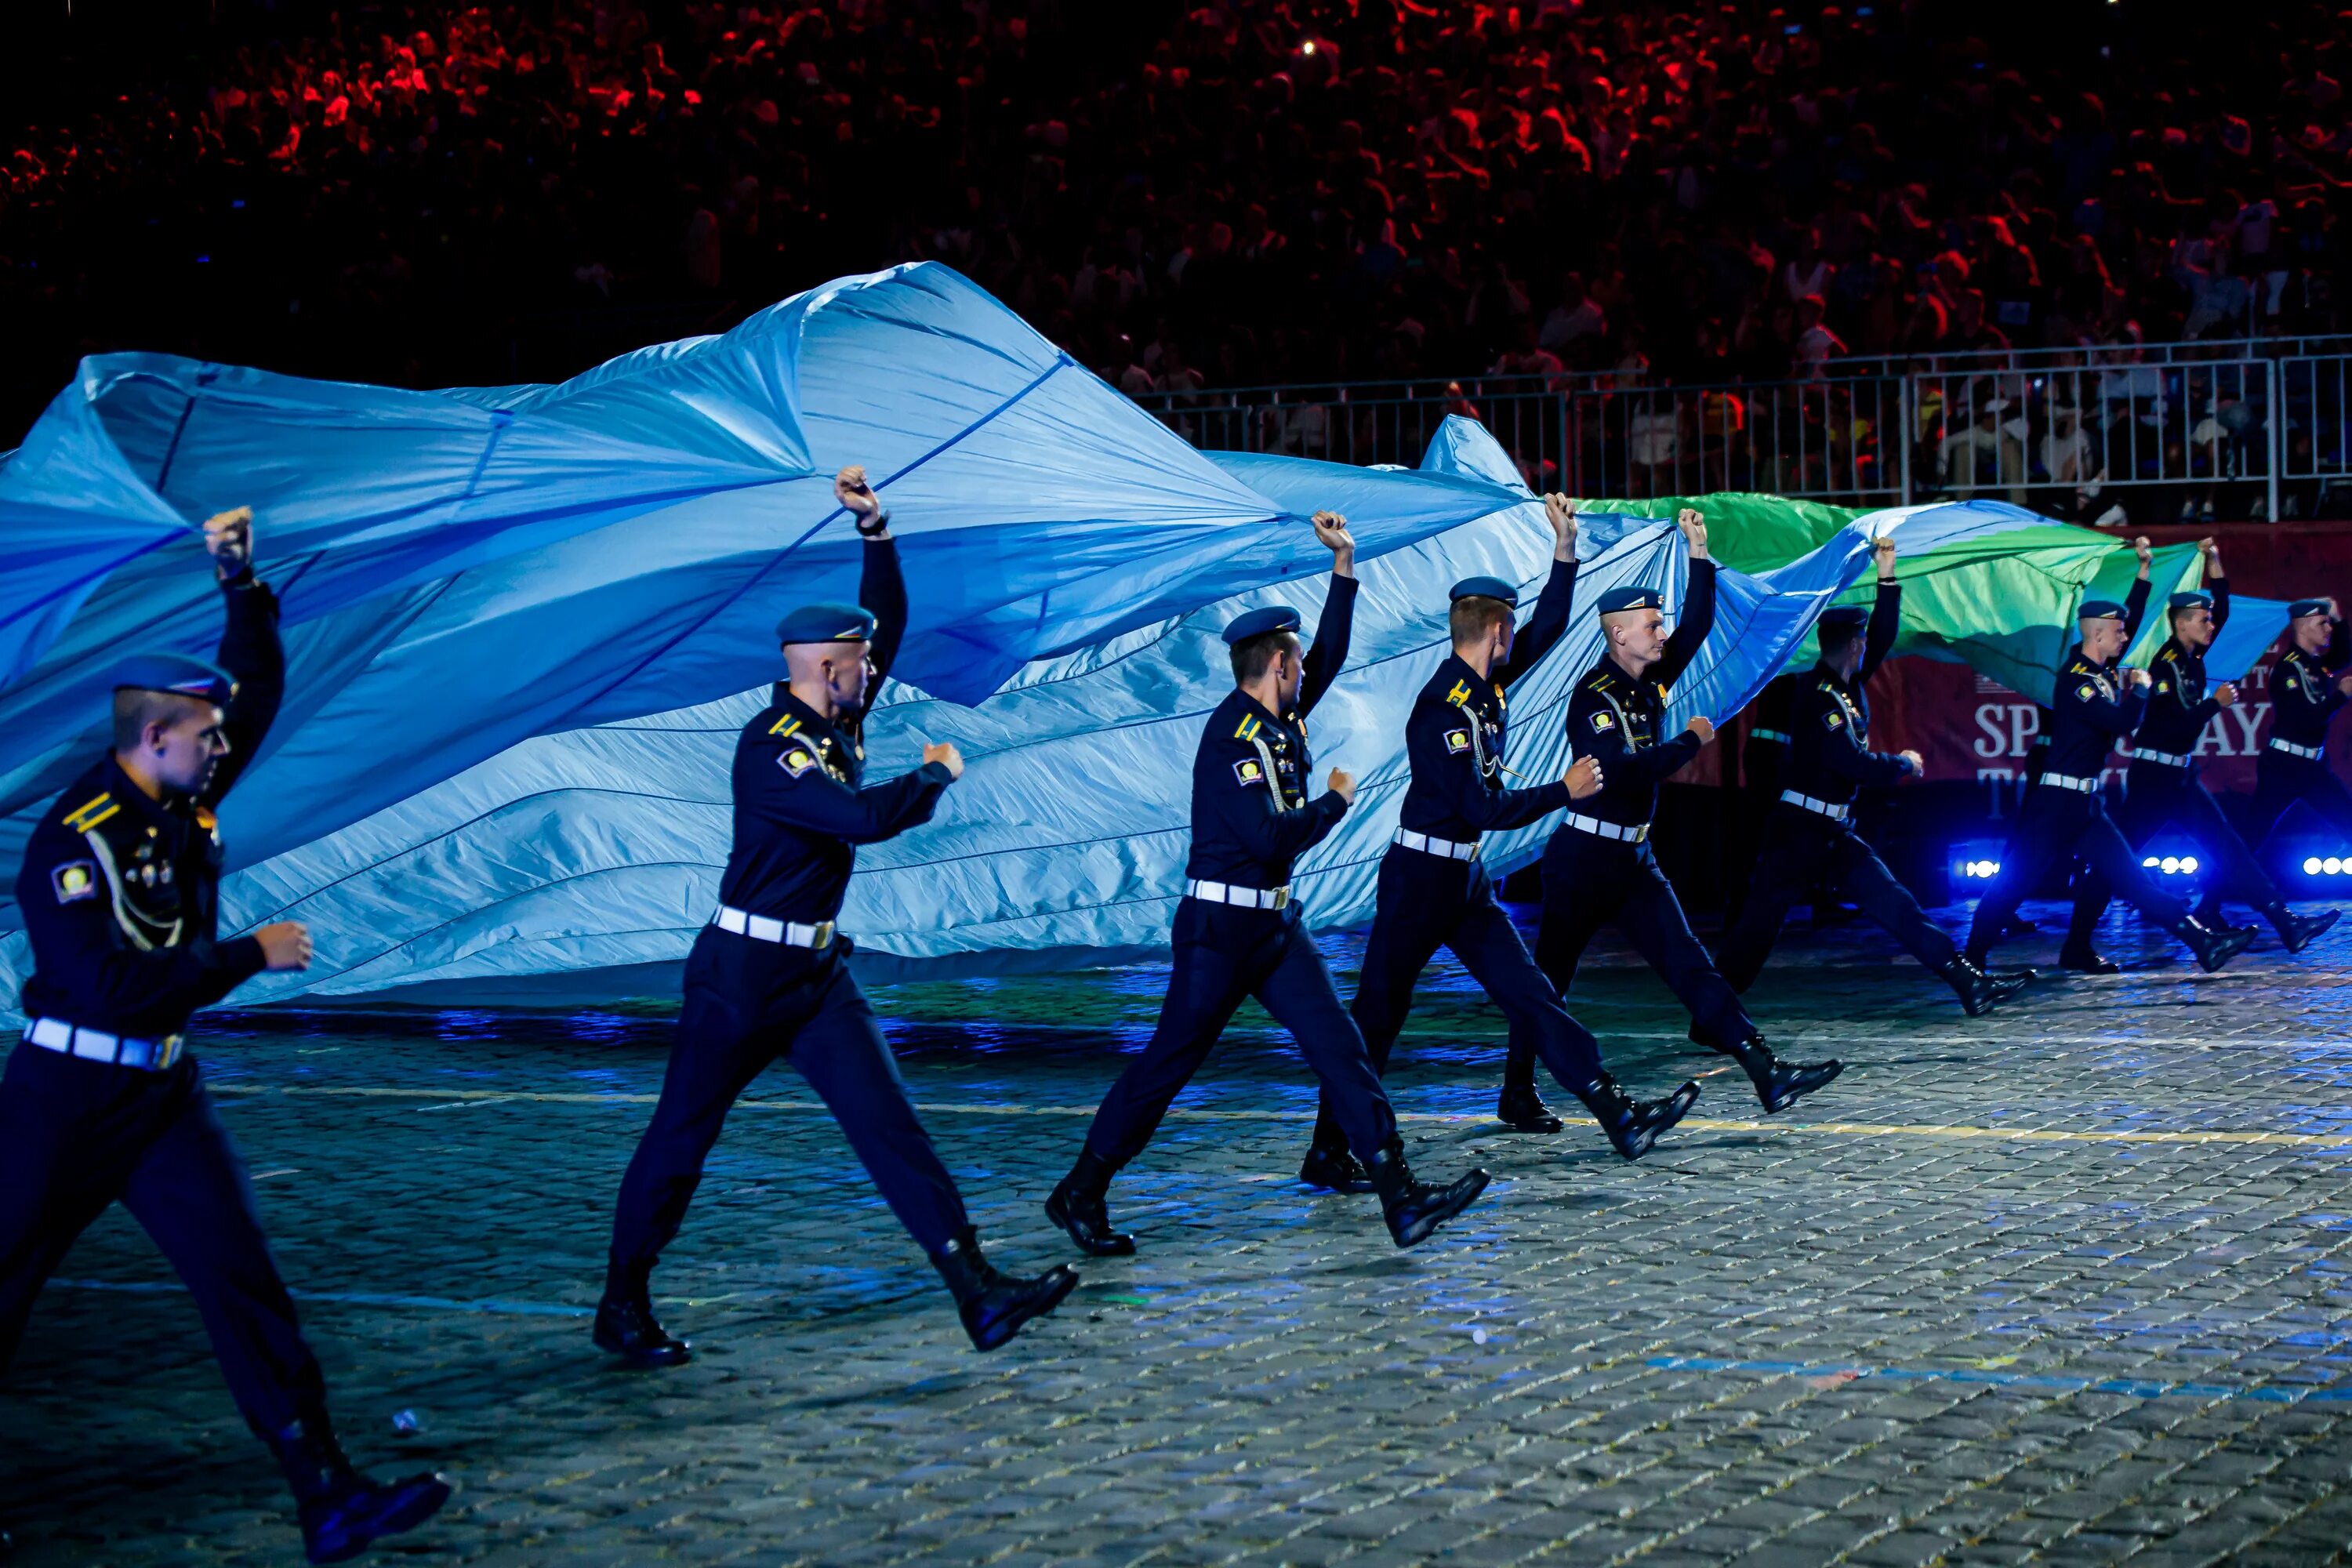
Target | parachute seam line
(1060,362)
(172,452)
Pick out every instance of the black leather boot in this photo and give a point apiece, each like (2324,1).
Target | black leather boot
(2213,949)
(1077,1206)
(2298,932)
(1778,1084)
(1522,1109)
(2087,960)
(343,1512)
(1634,1125)
(1979,993)
(1333,1170)
(994,1306)
(1413,1208)
(626,1325)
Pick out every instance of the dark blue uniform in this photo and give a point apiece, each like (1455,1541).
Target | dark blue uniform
(2293,766)
(120,899)
(1812,836)
(1252,818)
(1598,866)
(2064,814)
(801,810)
(1434,890)
(2162,789)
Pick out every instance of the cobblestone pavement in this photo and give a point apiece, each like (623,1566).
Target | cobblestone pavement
(2067,1283)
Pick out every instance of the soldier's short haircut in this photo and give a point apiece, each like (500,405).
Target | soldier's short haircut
(1835,637)
(1253,656)
(136,707)
(1474,616)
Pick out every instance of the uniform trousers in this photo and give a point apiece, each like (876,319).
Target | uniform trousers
(2281,780)
(2053,827)
(1427,901)
(1225,953)
(1804,849)
(2156,795)
(1589,882)
(76,1135)
(747,1003)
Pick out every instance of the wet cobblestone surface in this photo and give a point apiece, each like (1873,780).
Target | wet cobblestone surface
(2070,1283)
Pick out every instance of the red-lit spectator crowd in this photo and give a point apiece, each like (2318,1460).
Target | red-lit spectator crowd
(1229,194)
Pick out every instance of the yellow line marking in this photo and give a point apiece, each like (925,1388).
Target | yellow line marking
(446,1096)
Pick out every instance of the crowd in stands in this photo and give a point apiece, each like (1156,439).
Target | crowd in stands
(1230,195)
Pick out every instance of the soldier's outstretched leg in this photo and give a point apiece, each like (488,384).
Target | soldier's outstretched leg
(1652,919)
(1783,870)
(2147,807)
(716,1053)
(1883,897)
(189,1191)
(841,1052)
(1490,948)
(1300,994)
(1575,905)
(2102,843)
(2045,824)
(1414,914)
(2241,876)
(59,1168)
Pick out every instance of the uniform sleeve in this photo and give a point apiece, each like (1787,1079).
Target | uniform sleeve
(1690,634)
(1886,623)
(2135,608)
(2121,716)
(803,795)
(81,949)
(1330,651)
(2167,693)
(1437,740)
(1594,731)
(1246,813)
(256,659)
(882,592)
(2219,588)
(1545,627)
(1843,754)
(2339,649)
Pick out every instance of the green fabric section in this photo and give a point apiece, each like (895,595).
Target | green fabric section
(2004,606)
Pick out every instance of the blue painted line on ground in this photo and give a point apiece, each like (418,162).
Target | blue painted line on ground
(2134,1388)
(351,1299)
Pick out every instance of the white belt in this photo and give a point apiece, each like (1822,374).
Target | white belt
(1761,733)
(1830,809)
(97,1046)
(2068,781)
(760,928)
(1450,848)
(1247,898)
(2170,759)
(1593,825)
(2292,749)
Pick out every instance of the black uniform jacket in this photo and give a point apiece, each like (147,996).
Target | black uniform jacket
(1829,746)
(1618,717)
(121,893)
(802,807)
(2302,691)
(1251,813)
(1453,736)
(2178,707)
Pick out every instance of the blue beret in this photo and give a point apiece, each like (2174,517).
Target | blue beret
(2190,599)
(1846,618)
(2303,608)
(1487,588)
(2099,610)
(826,623)
(1632,598)
(175,672)
(1257,623)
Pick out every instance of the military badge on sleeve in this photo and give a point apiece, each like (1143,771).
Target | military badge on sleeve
(1457,741)
(796,761)
(1832,720)
(75,881)
(1602,721)
(1250,770)
(2083,693)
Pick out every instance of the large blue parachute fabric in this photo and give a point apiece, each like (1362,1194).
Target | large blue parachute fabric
(461,571)
(578,865)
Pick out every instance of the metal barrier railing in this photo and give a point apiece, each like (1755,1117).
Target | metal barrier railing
(2071,438)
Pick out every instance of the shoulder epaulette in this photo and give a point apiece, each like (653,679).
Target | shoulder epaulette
(90,813)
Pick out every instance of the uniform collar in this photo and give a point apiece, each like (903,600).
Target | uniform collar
(1609,663)
(1252,708)
(1822,667)
(110,777)
(2076,656)
(791,707)
(1457,672)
